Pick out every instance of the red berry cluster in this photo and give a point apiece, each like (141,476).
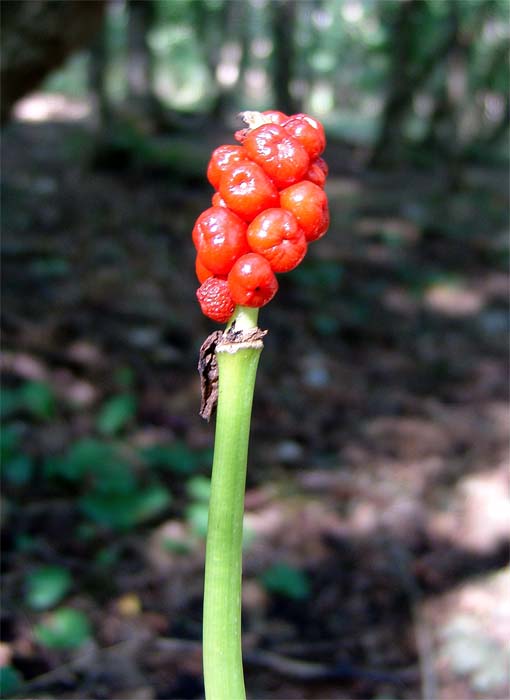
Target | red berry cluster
(269,204)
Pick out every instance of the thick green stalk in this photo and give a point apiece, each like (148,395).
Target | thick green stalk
(223,665)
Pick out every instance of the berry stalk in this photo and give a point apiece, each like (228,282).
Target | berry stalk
(237,366)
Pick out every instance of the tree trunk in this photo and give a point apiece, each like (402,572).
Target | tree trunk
(37,37)
(98,69)
(140,68)
(284,14)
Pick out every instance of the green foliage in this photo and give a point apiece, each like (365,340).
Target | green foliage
(39,399)
(46,586)
(17,468)
(36,398)
(287,581)
(66,628)
(176,457)
(116,497)
(197,515)
(11,681)
(122,511)
(116,413)
(199,488)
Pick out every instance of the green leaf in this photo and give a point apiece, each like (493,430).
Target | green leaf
(176,456)
(10,681)
(18,470)
(170,544)
(38,398)
(66,628)
(197,515)
(116,413)
(84,457)
(287,580)
(199,488)
(47,586)
(124,377)
(9,402)
(123,511)
(9,443)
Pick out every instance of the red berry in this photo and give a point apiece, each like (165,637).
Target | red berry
(220,238)
(281,156)
(218,201)
(252,281)
(247,190)
(308,131)
(309,204)
(275,234)
(317,172)
(221,159)
(202,271)
(215,300)
(275,116)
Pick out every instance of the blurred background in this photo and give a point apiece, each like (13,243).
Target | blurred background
(377,512)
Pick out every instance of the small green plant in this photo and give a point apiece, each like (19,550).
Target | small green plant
(46,586)
(268,207)
(287,581)
(66,628)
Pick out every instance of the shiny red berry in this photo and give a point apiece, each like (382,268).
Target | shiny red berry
(309,204)
(308,131)
(317,172)
(220,238)
(247,190)
(275,234)
(218,201)
(215,300)
(252,281)
(202,271)
(275,116)
(222,158)
(281,156)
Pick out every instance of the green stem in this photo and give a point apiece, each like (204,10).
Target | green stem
(223,665)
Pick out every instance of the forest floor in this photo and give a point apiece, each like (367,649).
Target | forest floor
(379,454)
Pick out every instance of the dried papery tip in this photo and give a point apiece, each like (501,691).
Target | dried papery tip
(255,119)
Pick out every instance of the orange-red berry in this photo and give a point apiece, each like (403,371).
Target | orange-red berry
(317,172)
(218,201)
(281,156)
(275,116)
(308,131)
(309,204)
(215,300)
(202,271)
(222,158)
(247,190)
(220,238)
(252,281)
(275,234)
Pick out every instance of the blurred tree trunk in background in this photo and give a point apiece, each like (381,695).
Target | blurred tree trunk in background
(140,61)
(496,80)
(37,37)
(441,135)
(284,20)
(407,76)
(231,56)
(98,73)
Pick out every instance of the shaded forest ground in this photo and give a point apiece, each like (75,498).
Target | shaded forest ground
(379,446)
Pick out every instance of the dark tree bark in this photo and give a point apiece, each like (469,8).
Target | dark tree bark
(234,18)
(98,67)
(406,78)
(140,69)
(37,36)
(284,15)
